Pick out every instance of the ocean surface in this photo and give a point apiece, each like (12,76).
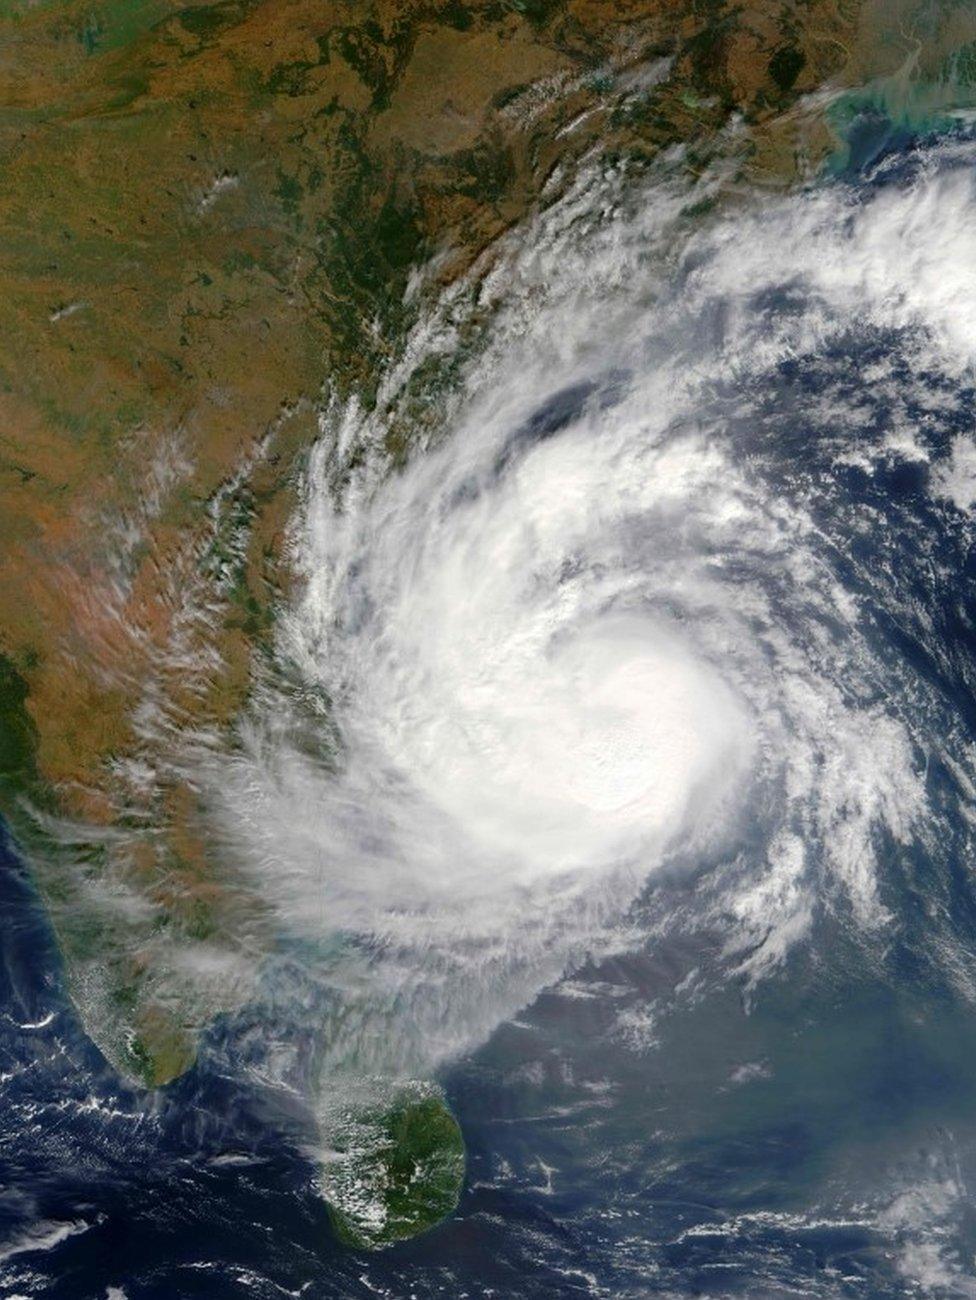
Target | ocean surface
(757,1075)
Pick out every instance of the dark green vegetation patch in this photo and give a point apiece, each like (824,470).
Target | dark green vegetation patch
(418,1166)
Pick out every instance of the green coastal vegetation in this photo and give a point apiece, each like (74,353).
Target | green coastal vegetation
(211,222)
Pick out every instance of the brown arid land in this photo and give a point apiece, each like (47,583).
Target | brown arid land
(209,215)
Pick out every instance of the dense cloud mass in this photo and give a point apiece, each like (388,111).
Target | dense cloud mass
(602,820)
(604,626)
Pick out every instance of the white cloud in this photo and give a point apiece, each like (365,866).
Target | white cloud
(558,657)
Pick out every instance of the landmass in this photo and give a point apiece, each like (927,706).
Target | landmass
(216,219)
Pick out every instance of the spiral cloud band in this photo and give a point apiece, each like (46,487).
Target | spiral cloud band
(600,628)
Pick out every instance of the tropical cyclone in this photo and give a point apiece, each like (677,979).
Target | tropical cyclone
(220,224)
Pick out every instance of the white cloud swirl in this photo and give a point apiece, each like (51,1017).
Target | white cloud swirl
(583,636)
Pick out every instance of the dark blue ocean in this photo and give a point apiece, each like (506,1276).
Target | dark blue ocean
(656,1124)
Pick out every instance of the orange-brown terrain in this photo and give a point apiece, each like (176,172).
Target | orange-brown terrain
(208,217)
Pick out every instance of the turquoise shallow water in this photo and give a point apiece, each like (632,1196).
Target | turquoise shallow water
(663,1122)
(891,115)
